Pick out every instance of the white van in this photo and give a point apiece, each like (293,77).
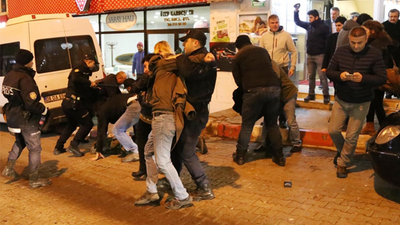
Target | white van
(58,43)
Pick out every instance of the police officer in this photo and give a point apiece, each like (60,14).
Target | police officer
(78,105)
(23,112)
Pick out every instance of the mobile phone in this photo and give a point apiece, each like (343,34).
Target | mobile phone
(349,75)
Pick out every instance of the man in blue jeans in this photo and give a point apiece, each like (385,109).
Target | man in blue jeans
(253,72)
(355,70)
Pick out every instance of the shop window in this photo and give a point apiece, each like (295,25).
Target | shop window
(3,6)
(7,56)
(179,18)
(53,54)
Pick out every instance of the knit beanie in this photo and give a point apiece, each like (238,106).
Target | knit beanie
(242,40)
(140,43)
(23,57)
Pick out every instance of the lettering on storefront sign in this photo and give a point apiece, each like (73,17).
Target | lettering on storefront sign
(177,13)
(121,21)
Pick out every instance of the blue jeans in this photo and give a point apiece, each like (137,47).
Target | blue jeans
(260,101)
(356,113)
(289,110)
(158,155)
(127,120)
(30,138)
(314,64)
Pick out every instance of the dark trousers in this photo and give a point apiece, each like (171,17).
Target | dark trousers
(377,107)
(185,149)
(142,131)
(102,127)
(262,101)
(30,138)
(81,117)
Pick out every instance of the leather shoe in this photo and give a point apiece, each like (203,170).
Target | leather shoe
(308,98)
(327,99)
(141,178)
(203,193)
(238,159)
(138,173)
(279,160)
(59,151)
(341,172)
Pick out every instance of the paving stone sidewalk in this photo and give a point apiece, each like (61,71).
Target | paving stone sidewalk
(103,192)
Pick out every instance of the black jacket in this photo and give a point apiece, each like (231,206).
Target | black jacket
(394,32)
(200,78)
(252,67)
(79,84)
(368,62)
(317,32)
(23,96)
(111,88)
(330,49)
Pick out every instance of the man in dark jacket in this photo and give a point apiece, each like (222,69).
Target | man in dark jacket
(331,43)
(200,82)
(253,72)
(392,27)
(23,112)
(355,70)
(317,32)
(331,22)
(78,106)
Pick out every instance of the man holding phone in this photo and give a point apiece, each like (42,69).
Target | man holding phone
(355,70)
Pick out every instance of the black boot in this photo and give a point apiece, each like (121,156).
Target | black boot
(203,193)
(35,181)
(278,157)
(238,158)
(9,170)
(308,98)
(327,99)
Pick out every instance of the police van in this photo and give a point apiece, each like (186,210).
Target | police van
(58,43)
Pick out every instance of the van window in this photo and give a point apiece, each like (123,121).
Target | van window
(52,54)
(7,57)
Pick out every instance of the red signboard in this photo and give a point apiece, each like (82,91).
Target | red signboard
(25,7)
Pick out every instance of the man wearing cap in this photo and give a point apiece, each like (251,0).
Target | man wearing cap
(23,112)
(78,105)
(200,82)
(137,66)
(253,72)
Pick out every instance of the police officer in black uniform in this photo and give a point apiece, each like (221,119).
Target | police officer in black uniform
(23,113)
(78,105)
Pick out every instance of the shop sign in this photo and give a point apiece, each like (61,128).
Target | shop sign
(258,3)
(121,21)
(83,5)
(176,17)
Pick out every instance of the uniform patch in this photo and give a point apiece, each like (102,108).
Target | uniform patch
(33,95)
(76,70)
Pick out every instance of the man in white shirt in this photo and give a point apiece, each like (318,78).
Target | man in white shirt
(279,43)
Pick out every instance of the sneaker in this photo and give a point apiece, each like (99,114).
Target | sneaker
(308,98)
(179,204)
(296,149)
(341,172)
(75,150)
(148,199)
(133,157)
(59,151)
(40,182)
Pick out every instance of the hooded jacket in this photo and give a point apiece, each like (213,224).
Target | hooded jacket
(278,45)
(343,38)
(317,32)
